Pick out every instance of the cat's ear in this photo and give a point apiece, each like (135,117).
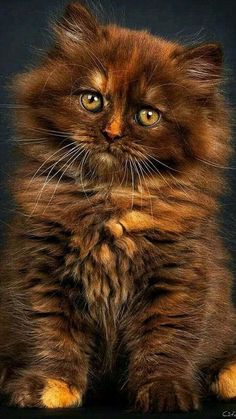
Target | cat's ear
(77,24)
(202,64)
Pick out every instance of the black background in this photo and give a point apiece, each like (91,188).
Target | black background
(24,29)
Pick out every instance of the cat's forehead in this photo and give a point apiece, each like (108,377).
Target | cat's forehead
(119,74)
(134,63)
(120,83)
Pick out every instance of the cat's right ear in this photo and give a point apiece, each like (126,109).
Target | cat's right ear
(77,25)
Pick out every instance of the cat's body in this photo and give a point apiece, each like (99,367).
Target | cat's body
(114,264)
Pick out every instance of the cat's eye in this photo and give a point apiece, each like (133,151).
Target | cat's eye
(91,101)
(148,117)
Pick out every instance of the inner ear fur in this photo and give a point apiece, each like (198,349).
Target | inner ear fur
(202,63)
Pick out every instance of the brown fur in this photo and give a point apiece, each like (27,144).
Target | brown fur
(114,261)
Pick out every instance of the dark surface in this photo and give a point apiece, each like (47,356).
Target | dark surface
(24,33)
(210,411)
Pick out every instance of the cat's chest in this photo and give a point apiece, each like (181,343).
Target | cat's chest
(108,256)
(104,266)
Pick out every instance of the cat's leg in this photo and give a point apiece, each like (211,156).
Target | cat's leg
(56,377)
(57,382)
(30,388)
(46,337)
(162,341)
(53,362)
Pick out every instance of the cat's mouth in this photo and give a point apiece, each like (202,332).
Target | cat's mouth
(106,161)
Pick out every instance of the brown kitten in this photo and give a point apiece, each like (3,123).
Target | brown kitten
(114,263)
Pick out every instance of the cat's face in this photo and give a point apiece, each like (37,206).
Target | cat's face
(124,99)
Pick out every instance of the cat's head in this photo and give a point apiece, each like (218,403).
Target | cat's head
(113,99)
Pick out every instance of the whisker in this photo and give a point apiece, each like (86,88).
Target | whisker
(151,167)
(43,164)
(48,179)
(30,141)
(216,165)
(140,181)
(92,173)
(81,166)
(125,174)
(70,162)
(143,176)
(132,181)
(53,132)
(161,163)
(182,185)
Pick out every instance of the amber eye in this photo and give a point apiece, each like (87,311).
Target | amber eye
(148,117)
(92,101)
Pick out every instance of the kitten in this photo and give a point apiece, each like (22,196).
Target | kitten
(114,264)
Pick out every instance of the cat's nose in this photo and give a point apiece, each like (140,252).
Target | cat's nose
(112,132)
(111,136)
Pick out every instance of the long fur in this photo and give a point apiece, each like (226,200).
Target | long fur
(114,263)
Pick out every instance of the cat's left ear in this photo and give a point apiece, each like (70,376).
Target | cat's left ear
(77,24)
(202,64)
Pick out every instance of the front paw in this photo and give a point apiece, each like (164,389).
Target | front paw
(57,393)
(167,395)
(50,393)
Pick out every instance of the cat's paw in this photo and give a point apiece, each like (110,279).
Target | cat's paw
(225,384)
(166,395)
(58,394)
(50,393)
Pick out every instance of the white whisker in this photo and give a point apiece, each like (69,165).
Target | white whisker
(143,176)
(135,161)
(81,171)
(132,181)
(216,165)
(48,179)
(43,164)
(71,160)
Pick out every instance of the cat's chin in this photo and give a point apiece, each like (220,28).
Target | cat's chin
(107,159)
(104,164)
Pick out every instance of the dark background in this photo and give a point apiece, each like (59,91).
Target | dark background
(24,30)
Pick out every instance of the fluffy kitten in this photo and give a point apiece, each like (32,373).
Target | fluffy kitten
(114,263)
